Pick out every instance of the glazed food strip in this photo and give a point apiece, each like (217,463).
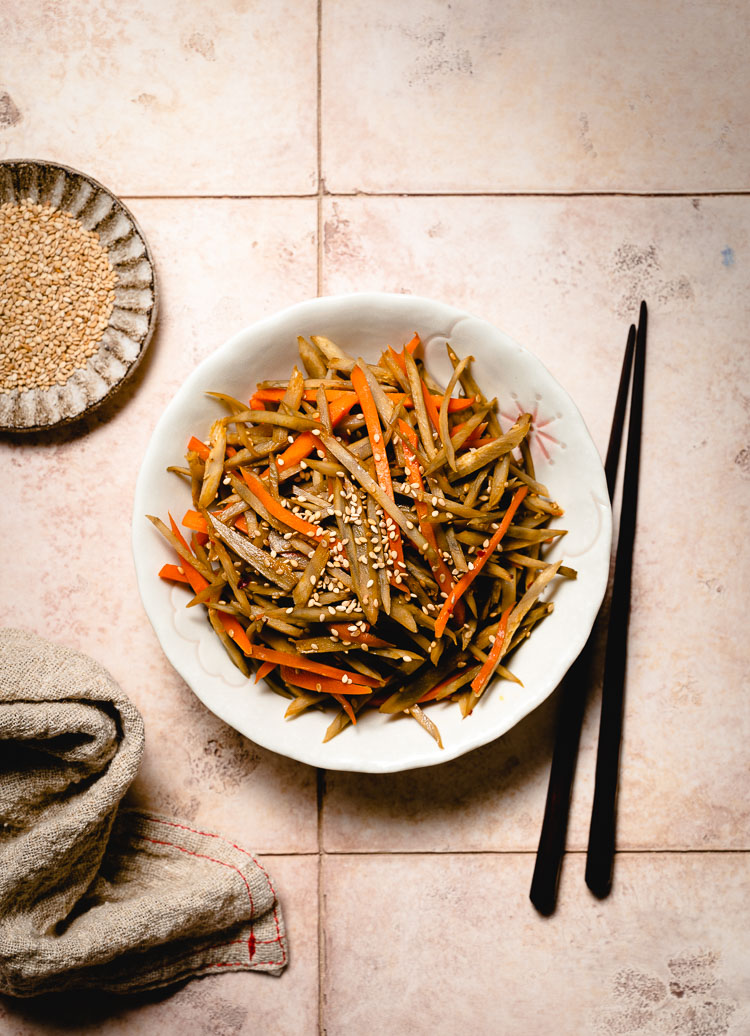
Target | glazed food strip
(305,443)
(479,683)
(275,508)
(370,486)
(273,569)
(420,407)
(375,432)
(465,582)
(456,404)
(300,662)
(314,570)
(438,565)
(478,458)
(443,426)
(315,682)
(197,581)
(214,464)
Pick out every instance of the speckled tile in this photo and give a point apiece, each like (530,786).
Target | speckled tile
(164,98)
(452,944)
(564,277)
(237,1004)
(67,500)
(480,96)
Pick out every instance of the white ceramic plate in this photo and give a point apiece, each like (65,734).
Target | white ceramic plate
(565,458)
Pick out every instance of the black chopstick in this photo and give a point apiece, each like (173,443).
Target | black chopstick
(601,849)
(573,695)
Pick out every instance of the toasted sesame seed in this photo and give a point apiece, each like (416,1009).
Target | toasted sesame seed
(57,293)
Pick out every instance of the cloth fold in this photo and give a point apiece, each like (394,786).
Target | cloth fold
(93,895)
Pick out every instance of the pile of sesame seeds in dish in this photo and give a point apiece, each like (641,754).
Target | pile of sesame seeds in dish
(365,538)
(56,295)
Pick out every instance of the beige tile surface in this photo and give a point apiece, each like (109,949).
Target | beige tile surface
(68,498)
(425,920)
(164,96)
(235,1004)
(564,277)
(451,944)
(480,96)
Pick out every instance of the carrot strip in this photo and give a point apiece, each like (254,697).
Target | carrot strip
(264,670)
(309,395)
(321,684)
(375,433)
(236,631)
(198,447)
(439,567)
(455,404)
(397,358)
(435,691)
(346,706)
(174,572)
(414,344)
(431,408)
(480,680)
(306,442)
(476,434)
(196,580)
(300,662)
(283,514)
(468,578)
(194,520)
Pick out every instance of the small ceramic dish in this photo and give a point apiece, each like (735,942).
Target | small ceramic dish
(131,324)
(566,461)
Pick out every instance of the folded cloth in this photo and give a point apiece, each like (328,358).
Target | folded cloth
(92,895)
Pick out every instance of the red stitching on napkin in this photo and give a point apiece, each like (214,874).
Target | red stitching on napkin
(211,834)
(252,941)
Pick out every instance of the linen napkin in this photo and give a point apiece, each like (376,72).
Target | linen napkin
(92,895)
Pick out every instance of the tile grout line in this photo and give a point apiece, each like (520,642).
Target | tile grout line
(320,776)
(320,853)
(322,193)
(319,150)
(320,788)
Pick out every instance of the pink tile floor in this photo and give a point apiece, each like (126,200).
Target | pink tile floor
(544,166)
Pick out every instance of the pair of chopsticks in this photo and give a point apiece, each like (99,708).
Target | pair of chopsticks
(574,690)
